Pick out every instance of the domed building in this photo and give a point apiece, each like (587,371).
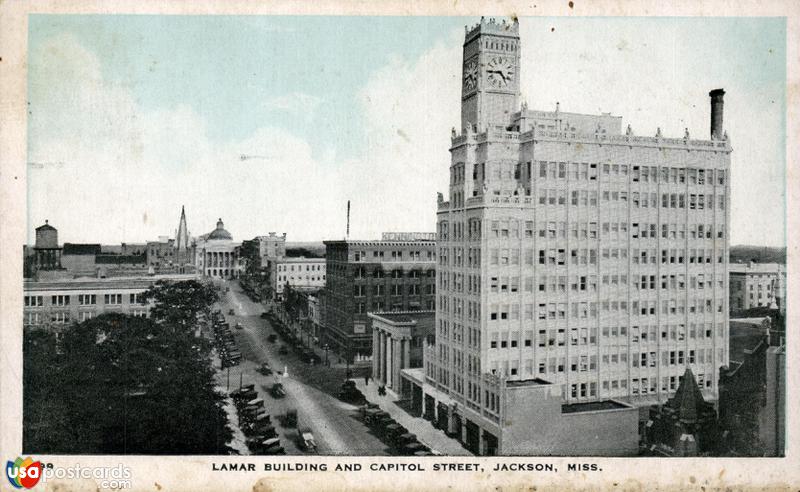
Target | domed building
(217,254)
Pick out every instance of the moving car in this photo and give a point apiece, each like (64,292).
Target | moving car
(307,442)
(277,391)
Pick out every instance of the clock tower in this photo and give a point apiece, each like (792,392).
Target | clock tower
(490,78)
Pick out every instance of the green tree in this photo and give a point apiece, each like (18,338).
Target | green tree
(177,304)
(119,384)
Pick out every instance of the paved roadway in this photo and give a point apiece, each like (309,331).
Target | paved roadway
(335,424)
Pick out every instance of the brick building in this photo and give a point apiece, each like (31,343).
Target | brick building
(373,276)
(572,252)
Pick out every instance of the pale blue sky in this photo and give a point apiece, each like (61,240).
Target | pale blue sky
(139,115)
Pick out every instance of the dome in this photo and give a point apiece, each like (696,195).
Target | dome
(220,232)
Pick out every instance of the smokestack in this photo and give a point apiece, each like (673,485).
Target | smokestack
(716,113)
(348,220)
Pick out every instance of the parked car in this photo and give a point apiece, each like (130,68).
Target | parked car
(283,350)
(231,311)
(239,326)
(265,369)
(244,390)
(348,392)
(270,446)
(272,338)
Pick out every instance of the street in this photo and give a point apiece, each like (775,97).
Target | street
(336,426)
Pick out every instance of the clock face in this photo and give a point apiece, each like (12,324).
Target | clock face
(470,75)
(500,71)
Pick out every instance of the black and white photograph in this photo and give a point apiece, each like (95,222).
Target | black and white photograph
(429,240)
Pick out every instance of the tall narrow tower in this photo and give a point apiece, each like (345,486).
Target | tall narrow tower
(182,237)
(490,84)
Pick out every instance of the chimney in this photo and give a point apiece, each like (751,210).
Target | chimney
(716,113)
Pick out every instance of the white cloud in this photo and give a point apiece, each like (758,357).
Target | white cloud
(126,171)
(121,163)
(409,108)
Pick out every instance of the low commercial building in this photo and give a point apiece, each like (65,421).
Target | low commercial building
(527,418)
(757,285)
(398,340)
(373,276)
(80,259)
(56,304)
(305,274)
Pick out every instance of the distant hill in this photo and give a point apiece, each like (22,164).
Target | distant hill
(308,249)
(760,254)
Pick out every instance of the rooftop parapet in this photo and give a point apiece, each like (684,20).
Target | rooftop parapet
(603,138)
(492,26)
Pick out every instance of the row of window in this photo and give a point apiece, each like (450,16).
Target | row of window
(362,272)
(394,255)
(589,310)
(34,318)
(308,268)
(394,290)
(83,299)
(308,278)
(584,171)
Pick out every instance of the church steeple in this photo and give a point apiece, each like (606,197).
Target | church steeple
(182,237)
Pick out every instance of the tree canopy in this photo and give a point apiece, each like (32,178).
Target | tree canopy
(119,384)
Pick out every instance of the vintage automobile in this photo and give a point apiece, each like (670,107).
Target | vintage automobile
(404,439)
(348,392)
(376,418)
(272,338)
(307,442)
(246,392)
(231,312)
(265,369)
(277,391)
(272,446)
(283,350)
(239,326)
(366,406)
(413,447)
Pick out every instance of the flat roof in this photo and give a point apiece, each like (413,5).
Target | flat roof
(594,406)
(300,259)
(404,316)
(99,283)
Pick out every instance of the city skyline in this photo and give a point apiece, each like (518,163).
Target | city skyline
(130,128)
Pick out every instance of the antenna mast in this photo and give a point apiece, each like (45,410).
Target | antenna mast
(348,220)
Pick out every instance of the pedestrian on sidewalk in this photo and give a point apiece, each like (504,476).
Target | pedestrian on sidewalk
(366,380)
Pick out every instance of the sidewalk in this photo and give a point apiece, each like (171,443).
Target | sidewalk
(426,433)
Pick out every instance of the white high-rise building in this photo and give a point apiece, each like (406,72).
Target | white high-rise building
(573,255)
